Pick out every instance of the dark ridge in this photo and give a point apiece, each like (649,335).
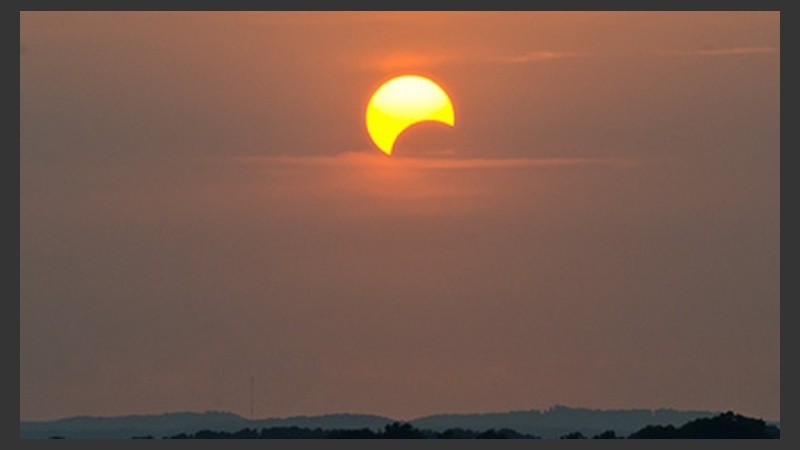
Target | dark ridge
(722,426)
(557,422)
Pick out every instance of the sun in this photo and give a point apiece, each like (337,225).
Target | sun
(404,101)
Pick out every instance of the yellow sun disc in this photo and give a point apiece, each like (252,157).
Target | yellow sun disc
(404,101)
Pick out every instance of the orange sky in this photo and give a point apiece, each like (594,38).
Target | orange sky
(200,203)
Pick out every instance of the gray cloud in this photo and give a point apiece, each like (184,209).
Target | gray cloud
(727,51)
(537,56)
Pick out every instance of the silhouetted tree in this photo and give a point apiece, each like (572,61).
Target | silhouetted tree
(457,433)
(293,432)
(397,430)
(246,433)
(722,426)
(364,433)
(725,426)
(491,434)
(573,435)
(656,432)
(609,434)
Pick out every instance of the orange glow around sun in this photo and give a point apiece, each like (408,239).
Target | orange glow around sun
(404,101)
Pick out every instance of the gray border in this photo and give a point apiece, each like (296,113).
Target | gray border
(208,5)
(753,5)
(12,332)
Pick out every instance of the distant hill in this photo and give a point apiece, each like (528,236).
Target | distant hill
(560,420)
(126,427)
(551,423)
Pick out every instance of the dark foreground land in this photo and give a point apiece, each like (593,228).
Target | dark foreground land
(722,426)
(553,423)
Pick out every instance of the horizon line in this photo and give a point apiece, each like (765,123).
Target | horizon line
(414,418)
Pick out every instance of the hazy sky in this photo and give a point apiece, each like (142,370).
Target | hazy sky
(201,204)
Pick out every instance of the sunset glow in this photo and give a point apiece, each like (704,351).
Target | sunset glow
(273,217)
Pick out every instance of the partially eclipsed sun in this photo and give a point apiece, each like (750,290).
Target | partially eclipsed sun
(402,102)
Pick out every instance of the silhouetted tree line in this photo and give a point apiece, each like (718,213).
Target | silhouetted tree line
(722,426)
(396,430)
